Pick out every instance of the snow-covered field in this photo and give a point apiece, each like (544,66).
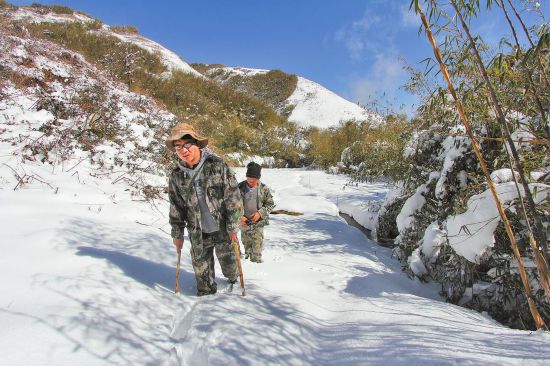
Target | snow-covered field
(86,278)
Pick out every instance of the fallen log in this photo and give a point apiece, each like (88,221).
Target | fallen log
(286,212)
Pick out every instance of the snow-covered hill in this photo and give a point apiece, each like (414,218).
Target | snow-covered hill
(169,58)
(57,108)
(312,104)
(315,105)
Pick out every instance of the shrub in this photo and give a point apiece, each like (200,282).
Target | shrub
(124,29)
(203,68)
(272,87)
(327,145)
(380,152)
(5,5)
(53,8)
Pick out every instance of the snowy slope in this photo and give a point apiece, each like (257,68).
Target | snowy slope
(314,105)
(169,58)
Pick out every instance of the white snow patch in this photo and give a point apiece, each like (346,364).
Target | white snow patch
(503,175)
(432,241)
(415,263)
(413,204)
(453,148)
(317,106)
(471,233)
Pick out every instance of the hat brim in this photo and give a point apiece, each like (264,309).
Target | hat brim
(201,141)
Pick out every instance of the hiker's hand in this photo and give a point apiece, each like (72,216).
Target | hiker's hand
(233,236)
(243,221)
(178,243)
(256,217)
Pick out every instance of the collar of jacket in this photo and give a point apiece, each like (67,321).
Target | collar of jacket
(205,154)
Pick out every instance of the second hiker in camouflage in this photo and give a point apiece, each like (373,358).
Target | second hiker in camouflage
(258,203)
(205,199)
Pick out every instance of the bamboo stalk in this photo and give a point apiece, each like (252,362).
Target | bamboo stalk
(539,232)
(523,274)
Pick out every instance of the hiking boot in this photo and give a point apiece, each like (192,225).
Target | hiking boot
(202,293)
(256,260)
(211,291)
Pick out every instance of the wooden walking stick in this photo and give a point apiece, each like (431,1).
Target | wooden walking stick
(238,255)
(177,289)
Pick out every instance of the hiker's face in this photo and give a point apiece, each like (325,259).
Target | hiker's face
(187,151)
(252,182)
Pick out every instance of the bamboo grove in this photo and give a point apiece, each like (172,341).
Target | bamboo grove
(498,90)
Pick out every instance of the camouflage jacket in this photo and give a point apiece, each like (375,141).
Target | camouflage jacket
(222,198)
(265,202)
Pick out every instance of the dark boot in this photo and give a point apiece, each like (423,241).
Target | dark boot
(203,293)
(256,259)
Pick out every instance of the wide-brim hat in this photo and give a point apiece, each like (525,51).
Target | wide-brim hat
(185,129)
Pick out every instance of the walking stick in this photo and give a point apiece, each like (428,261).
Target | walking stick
(238,255)
(177,289)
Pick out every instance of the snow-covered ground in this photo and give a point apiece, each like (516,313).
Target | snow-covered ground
(86,278)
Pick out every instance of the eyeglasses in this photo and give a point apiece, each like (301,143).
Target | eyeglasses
(185,146)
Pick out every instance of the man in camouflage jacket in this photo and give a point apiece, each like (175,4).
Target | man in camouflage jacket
(205,199)
(258,203)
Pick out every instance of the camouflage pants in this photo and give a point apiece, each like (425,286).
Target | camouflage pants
(204,265)
(253,241)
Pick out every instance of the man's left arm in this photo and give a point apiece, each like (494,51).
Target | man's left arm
(267,202)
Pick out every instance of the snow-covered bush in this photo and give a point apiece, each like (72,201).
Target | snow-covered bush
(449,230)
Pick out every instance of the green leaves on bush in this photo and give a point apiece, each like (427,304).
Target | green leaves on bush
(124,29)
(367,153)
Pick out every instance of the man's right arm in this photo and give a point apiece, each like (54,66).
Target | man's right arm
(176,217)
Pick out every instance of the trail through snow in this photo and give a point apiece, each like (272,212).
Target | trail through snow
(82,282)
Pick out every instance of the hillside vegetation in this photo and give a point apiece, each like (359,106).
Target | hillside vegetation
(244,116)
(272,87)
(236,122)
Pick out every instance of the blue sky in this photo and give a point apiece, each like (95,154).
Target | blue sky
(352,47)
